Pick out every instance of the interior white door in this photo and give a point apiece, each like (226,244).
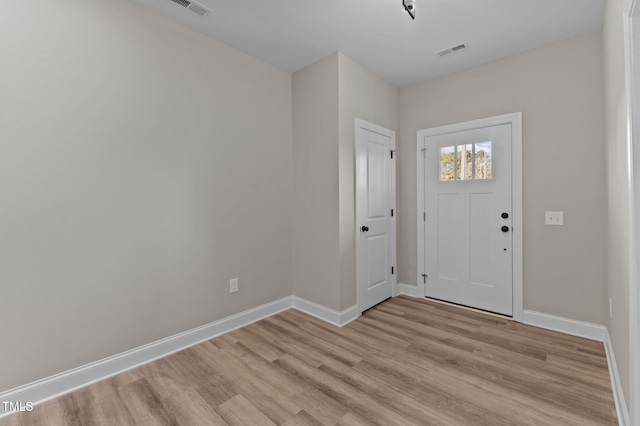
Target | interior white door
(468,214)
(375,227)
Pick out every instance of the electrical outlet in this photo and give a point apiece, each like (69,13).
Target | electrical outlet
(554,218)
(233,285)
(610,308)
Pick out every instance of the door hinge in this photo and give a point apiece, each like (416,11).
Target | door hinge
(424,216)
(391,212)
(392,152)
(392,270)
(424,278)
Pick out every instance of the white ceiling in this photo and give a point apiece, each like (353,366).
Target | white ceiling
(381,36)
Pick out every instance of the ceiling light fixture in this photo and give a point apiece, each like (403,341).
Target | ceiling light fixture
(410,7)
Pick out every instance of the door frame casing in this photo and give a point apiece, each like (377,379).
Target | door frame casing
(631,22)
(358,124)
(515,120)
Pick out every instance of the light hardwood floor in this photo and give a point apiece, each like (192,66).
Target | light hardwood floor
(404,362)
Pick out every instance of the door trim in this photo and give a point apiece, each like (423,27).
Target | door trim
(358,124)
(515,119)
(631,19)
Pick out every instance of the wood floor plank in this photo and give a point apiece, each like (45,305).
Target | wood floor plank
(274,399)
(213,387)
(302,419)
(245,377)
(71,410)
(323,407)
(350,419)
(254,340)
(189,408)
(359,402)
(144,404)
(165,380)
(312,350)
(416,404)
(404,362)
(239,412)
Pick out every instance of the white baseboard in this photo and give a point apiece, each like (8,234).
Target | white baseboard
(57,385)
(565,325)
(407,290)
(326,314)
(621,407)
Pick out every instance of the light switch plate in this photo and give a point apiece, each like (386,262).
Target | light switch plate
(553,218)
(233,285)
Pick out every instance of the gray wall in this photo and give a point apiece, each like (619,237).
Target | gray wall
(327,97)
(559,90)
(618,232)
(316,245)
(142,166)
(366,96)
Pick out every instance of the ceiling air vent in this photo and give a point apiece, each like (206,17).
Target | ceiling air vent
(451,50)
(193,6)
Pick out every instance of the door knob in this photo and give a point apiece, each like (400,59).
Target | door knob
(364,228)
(505,229)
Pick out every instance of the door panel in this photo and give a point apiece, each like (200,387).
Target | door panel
(481,240)
(374,223)
(377,260)
(449,232)
(467,182)
(377,175)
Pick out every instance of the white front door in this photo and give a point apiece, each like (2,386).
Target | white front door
(468,218)
(375,226)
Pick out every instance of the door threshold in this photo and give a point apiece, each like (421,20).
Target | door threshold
(469,308)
